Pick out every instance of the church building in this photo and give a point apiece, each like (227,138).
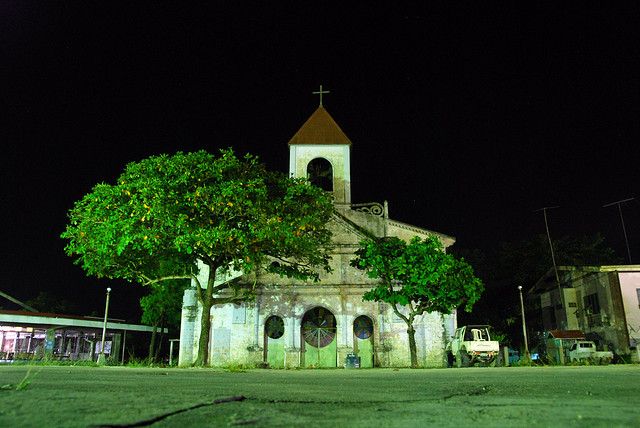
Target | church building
(293,323)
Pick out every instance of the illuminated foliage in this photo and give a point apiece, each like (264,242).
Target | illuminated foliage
(419,276)
(167,212)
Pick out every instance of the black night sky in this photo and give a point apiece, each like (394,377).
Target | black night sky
(466,119)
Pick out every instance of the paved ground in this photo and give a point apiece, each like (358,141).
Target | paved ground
(595,396)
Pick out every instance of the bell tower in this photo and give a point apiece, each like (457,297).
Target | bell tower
(320,152)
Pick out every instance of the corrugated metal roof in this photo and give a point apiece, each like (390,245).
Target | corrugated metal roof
(47,320)
(320,128)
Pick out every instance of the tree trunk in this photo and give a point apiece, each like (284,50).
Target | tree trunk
(411,332)
(205,322)
(152,344)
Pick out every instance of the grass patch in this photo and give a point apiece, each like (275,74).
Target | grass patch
(237,368)
(23,384)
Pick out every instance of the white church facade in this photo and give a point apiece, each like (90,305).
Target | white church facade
(293,323)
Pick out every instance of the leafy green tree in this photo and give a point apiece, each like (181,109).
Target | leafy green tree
(419,276)
(162,308)
(167,212)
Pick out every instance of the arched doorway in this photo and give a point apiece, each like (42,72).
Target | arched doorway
(363,340)
(318,331)
(274,342)
(320,173)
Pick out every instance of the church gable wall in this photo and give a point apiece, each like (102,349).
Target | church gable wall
(373,224)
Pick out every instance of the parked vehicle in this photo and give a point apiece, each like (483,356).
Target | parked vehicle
(472,344)
(585,350)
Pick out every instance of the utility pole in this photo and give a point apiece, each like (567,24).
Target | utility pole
(104,328)
(624,230)
(17,302)
(524,326)
(553,257)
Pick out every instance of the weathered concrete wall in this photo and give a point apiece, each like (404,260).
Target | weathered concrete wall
(237,333)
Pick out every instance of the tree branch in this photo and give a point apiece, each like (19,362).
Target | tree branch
(165,278)
(289,262)
(398,313)
(198,287)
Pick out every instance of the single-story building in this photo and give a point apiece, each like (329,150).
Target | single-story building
(29,335)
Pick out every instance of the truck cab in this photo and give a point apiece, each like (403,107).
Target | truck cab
(472,344)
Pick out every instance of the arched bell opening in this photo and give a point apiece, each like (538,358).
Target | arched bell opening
(320,173)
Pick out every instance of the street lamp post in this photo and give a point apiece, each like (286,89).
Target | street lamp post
(104,328)
(524,325)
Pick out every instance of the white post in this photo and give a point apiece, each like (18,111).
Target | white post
(104,328)
(171,342)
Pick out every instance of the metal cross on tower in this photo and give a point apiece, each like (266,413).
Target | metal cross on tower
(320,92)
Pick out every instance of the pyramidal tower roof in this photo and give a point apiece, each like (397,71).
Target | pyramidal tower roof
(321,129)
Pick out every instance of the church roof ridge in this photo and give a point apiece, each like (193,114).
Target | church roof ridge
(320,129)
(422,230)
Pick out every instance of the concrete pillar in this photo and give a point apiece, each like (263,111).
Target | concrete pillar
(292,344)
(187,327)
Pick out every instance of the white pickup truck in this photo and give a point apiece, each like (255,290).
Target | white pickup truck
(472,344)
(585,350)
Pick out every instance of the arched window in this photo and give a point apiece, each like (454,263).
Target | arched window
(274,327)
(320,173)
(363,327)
(318,327)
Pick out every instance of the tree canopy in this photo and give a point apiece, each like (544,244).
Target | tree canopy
(419,276)
(167,212)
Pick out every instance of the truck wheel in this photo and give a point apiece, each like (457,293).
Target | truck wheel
(462,359)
